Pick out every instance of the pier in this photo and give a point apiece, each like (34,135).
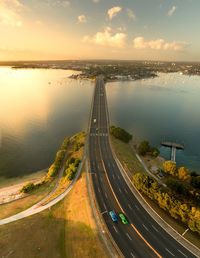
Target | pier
(174,146)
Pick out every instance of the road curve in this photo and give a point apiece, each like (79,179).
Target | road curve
(39,207)
(143,236)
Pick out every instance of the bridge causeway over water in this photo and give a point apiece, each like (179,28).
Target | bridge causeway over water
(174,146)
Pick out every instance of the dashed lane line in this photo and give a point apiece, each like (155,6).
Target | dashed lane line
(145,227)
(115,229)
(137,207)
(103,212)
(155,228)
(169,252)
(182,253)
(129,236)
(130,207)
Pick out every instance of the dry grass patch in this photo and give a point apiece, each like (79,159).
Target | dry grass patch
(67,230)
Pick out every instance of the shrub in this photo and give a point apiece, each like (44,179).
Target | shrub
(143,148)
(177,208)
(27,188)
(183,173)
(53,170)
(120,134)
(169,167)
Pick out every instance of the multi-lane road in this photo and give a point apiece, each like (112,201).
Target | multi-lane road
(142,237)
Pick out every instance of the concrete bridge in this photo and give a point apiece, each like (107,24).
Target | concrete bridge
(174,146)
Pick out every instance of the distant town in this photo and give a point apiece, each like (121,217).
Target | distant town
(112,70)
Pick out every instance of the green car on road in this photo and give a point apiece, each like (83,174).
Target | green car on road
(123,218)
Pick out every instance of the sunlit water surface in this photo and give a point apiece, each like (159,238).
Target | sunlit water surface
(39,107)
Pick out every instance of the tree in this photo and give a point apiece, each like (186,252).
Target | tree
(154,152)
(183,173)
(177,186)
(120,134)
(169,167)
(27,188)
(53,170)
(195,182)
(143,148)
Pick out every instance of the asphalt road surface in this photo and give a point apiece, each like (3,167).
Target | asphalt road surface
(142,237)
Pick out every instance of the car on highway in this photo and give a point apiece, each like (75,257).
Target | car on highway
(123,218)
(113,216)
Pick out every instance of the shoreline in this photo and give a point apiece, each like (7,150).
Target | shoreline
(10,187)
(10,181)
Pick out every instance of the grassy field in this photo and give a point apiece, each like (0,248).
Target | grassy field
(67,230)
(17,206)
(129,161)
(126,155)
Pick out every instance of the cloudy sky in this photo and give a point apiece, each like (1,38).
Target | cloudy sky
(100,29)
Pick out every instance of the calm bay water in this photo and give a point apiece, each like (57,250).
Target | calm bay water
(163,108)
(38,108)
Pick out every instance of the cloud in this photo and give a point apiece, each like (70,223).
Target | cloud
(158,44)
(96,1)
(131,14)
(64,3)
(112,12)
(107,38)
(10,13)
(172,11)
(82,18)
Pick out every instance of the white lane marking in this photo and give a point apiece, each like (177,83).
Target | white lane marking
(137,207)
(98,166)
(129,236)
(182,253)
(145,227)
(101,179)
(132,255)
(154,228)
(113,176)
(130,207)
(104,206)
(118,176)
(120,190)
(99,189)
(125,191)
(103,212)
(169,252)
(115,229)
(106,195)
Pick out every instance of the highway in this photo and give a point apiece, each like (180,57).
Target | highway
(142,237)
